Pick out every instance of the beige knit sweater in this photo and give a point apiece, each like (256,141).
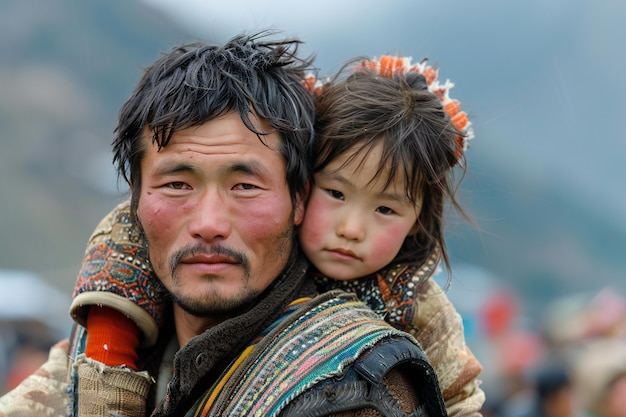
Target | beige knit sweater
(439,329)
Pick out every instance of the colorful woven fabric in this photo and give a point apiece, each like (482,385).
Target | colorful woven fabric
(409,300)
(77,342)
(391,292)
(203,405)
(116,273)
(309,346)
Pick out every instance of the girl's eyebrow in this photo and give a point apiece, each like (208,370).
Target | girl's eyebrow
(386,195)
(393,196)
(336,176)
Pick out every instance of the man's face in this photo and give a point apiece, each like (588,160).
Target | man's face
(217,214)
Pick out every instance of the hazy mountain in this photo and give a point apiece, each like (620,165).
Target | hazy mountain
(545,180)
(543,82)
(66,68)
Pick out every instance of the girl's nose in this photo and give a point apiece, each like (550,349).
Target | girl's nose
(351,227)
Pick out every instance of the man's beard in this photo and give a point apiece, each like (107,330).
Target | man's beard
(212,304)
(221,306)
(215,306)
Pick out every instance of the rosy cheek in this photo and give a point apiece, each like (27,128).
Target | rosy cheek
(315,227)
(309,237)
(316,219)
(387,244)
(394,235)
(156,215)
(263,219)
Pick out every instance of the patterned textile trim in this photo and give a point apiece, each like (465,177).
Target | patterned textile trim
(291,308)
(391,292)
(316,346)
(203,405)
(78,340)
(116,273)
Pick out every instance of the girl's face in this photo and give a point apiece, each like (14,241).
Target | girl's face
(354,226)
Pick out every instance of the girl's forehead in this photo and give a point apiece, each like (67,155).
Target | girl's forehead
(367,163)
(356,159)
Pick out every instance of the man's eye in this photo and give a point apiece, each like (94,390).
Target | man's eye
(177,185)
(336,194)
(244,186)
(385,210)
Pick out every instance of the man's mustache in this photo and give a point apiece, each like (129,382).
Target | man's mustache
(199,249)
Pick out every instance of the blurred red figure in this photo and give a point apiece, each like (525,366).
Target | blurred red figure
(25,361)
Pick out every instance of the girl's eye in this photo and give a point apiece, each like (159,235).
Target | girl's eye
(385,210)
(336,194)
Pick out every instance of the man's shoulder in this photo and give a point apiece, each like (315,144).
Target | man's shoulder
(391,378)
(388,367)
(334,346)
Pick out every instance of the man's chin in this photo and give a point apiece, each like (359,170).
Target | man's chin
(214,307)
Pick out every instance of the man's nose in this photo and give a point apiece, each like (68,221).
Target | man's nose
(210,219)
(351,227)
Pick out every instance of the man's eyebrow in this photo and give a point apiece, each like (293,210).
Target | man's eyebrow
(249,168)
(174,168)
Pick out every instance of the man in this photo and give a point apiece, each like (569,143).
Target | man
(215,143)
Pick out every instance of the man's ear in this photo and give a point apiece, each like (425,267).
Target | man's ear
(300,206)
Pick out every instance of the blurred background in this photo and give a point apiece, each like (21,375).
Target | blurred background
(543,83)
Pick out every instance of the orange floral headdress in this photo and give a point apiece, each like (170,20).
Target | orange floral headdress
(389,65)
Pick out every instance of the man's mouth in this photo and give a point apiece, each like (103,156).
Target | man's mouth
(208,259)
(208,264)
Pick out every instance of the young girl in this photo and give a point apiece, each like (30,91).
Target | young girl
(388,138)
(388,141)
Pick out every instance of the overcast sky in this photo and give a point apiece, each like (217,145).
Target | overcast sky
(542,80)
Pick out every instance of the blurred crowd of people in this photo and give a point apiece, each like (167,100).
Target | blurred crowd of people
(33,316)
(573,364)
(24,346)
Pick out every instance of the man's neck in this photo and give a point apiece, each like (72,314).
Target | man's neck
(188,326)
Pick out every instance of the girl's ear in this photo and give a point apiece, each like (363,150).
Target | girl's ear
(414,229)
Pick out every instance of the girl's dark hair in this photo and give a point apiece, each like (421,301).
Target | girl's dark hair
(359,109)
(195,83)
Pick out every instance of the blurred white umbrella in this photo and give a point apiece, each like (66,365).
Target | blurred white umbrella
(24,297)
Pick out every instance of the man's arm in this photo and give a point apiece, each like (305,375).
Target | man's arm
(110,390)
(44,392)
